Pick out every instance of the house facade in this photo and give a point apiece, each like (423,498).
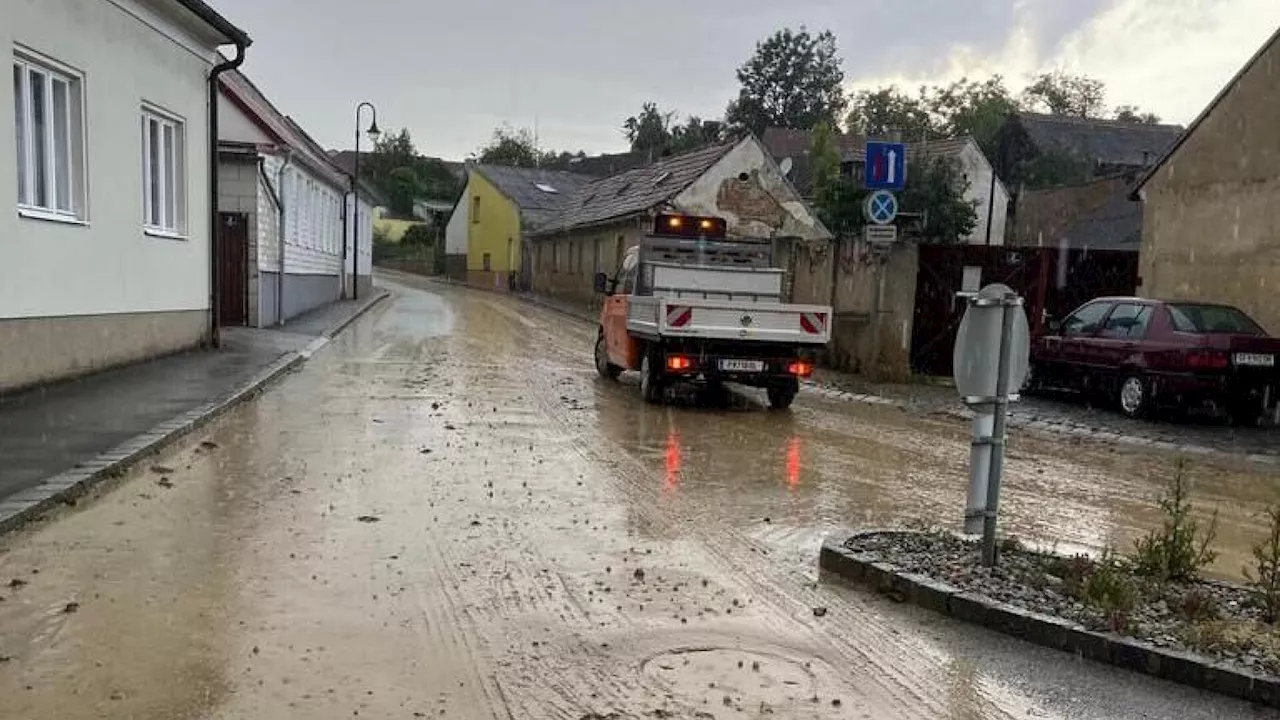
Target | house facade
(499,208)
(107,168)
(739,182)
(1211,206)
(984,190)
(282,188)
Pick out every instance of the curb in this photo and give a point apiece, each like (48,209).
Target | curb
(65,488)
(1052,632)
(1033,423)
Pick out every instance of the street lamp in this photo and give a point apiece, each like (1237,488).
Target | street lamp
(373,133)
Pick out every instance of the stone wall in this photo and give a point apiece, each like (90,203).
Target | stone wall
(1211,229)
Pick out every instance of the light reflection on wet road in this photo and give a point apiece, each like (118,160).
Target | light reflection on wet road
(447,515)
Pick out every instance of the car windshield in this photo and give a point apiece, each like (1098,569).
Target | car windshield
(1212,319)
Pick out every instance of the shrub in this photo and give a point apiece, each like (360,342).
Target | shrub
(380,236)
(1264,579)
(1180,547)
(1109,588)
(1199,605)
(420,235)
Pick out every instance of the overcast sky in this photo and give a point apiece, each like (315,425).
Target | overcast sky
(453,71)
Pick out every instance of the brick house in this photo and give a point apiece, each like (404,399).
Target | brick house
(1211,206)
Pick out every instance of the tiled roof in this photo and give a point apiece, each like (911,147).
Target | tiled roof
(1105,142)
(1116,225)
(538,193)
(636,190)
(600,165)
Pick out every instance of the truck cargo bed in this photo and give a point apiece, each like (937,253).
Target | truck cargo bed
(660,317)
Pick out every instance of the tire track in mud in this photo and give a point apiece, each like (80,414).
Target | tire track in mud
(888,666)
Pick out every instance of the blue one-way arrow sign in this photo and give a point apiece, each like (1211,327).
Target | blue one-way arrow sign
(886,166)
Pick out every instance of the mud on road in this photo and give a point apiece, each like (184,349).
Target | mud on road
(447,514)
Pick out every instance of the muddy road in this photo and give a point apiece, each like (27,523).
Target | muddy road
(445,514)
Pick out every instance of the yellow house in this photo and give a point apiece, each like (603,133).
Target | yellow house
(499,208)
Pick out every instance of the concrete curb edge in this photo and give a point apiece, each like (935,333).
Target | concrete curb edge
(1052,632)
(32,504)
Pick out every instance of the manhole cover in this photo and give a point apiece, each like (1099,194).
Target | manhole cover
(740,679)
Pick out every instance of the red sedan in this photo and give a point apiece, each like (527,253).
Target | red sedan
(1145,354)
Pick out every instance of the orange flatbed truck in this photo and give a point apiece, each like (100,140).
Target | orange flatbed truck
(688,305)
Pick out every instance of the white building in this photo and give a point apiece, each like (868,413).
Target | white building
(276,182)
(107,244)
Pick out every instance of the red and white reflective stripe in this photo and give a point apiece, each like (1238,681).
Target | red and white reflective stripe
(813,323)
(679,315)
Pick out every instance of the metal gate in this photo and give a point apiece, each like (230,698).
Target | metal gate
(1053,281)
(233,268)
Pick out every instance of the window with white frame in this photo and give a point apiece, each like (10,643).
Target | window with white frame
(49,122)
(164,177)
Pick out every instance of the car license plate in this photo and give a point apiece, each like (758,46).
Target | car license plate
(752,366)
(1256,359)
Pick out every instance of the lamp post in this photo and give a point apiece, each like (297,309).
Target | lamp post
(373,133)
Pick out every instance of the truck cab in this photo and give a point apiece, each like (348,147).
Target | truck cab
(688,305)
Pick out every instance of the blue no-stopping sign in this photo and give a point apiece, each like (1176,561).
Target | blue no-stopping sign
(882,207)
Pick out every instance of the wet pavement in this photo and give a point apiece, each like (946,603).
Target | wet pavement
(446,514)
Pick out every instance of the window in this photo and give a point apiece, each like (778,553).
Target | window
(1085,321)
(164,177)
(488,263)
(1212,319)
(630,264)
(1128,320)
(49,138)
(475,209)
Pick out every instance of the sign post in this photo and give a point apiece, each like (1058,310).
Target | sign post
(991,359)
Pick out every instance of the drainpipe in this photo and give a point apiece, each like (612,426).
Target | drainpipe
(276,192)
(215,289)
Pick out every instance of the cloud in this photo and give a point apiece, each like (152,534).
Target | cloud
(1170,57)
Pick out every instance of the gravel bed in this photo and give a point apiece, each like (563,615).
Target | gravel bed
(1215,619)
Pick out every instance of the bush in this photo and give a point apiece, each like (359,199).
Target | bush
(380,236)
(1264,579)
(1180,548)
(1109,588)
(418,235)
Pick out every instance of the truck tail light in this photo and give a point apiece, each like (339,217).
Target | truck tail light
(679,363)
(679,316)
(800,368)
(813,323)
(1207,360)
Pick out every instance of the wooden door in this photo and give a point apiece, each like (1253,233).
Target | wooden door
(233,268)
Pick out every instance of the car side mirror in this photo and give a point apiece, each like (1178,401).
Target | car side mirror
(1054,326)
(601,283)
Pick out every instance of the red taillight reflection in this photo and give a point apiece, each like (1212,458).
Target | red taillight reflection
(679,363)
(1208,360)
(800,368)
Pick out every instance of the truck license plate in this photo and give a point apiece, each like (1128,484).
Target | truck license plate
(1256,359)
(753,366)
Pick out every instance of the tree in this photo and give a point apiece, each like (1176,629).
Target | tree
(1060,93)
(512,147)
(695,133)
(838,200)
(936,187)
(792,80)
(969,107)
(650,131)
(1131,114)
(888,110)
(402,175)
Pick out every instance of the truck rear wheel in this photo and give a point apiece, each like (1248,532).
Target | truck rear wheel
(607,370)
(780,396)
(651,386)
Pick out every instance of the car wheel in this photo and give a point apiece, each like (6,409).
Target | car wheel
(607,370)
(650,379)
(1134,396)
(781,396)
(1034,384)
